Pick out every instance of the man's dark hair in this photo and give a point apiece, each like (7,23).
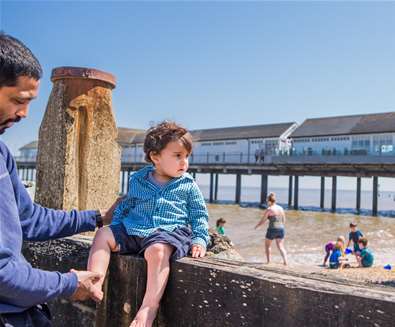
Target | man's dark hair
(159,136)
(16,60)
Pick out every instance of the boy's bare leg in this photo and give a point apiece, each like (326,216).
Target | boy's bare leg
(280,245)
(268,250)
(158,269)
(99,256)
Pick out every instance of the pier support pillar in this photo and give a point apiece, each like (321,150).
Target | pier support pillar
(264,179)
(322,197)
(296,193)
(216,187)
(238,188)
(358,204)
(290,192)
(194,175)
(334,187)
(375,195)
(122,182)
(211,187)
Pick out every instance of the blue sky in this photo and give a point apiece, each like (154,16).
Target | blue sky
(215,64)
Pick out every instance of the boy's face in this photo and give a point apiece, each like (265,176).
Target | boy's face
(353,229)
(172,161)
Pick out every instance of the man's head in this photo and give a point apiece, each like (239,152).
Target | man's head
(20,73)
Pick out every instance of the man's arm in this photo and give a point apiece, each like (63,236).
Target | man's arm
(39,223)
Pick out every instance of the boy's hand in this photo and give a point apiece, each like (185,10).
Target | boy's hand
(107,214)
(198,251)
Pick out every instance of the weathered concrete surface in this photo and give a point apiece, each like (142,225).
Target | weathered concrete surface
(78,159)
(209,292)
(63,255)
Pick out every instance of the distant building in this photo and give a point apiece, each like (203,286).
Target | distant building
(242,144)
(371,134)
(28,152)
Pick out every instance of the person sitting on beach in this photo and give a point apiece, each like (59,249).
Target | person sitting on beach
(354,236)
(276,230)
(329,247)
(220,226)
(366,258)
(153,220)
(336,259)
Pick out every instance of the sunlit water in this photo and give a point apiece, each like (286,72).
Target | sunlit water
(306,233)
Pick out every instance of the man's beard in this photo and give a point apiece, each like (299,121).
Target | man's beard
(2,129)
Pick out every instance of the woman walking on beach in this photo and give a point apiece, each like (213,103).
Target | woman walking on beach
(276,229)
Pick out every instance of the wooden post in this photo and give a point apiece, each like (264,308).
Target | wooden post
(290,192)
(322,198)
(358,205)
(238,188)
(334,186)
(375,195)
(296,193)
(263,189)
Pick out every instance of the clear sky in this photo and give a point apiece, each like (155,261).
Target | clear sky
(214,64)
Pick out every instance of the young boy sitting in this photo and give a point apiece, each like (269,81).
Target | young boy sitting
(366,258)
(154,219)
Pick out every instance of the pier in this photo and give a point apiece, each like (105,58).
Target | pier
(293,166)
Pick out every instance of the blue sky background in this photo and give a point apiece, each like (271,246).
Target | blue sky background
(214,64)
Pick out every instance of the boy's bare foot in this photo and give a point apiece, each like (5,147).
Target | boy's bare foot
(145,317)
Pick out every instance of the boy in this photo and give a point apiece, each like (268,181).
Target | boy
(365,259)
(154,218)
(354,236)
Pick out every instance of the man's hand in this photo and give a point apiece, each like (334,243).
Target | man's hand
(86,286)
(198,251)
(107,214)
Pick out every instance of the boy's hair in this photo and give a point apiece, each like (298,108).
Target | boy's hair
(353,225)
(363,241)
(341,238)
(159,136)
(16,60)
(221,221)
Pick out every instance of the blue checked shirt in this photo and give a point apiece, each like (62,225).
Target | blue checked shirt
(148,207)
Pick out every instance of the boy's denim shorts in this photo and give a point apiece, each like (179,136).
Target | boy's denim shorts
(275,233)
(180,239)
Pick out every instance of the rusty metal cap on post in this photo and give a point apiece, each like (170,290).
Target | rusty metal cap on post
(84,73)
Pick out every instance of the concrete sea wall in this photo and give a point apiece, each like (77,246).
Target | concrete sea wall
(210,292)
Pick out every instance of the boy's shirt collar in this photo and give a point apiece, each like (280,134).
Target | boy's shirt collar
(142,174)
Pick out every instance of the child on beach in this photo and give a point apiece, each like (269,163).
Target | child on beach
(220,226)
(354,236)
(336,259)
(330,246)
(163,216)
(366,258)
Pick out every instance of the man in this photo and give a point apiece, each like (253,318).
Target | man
(23,289)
